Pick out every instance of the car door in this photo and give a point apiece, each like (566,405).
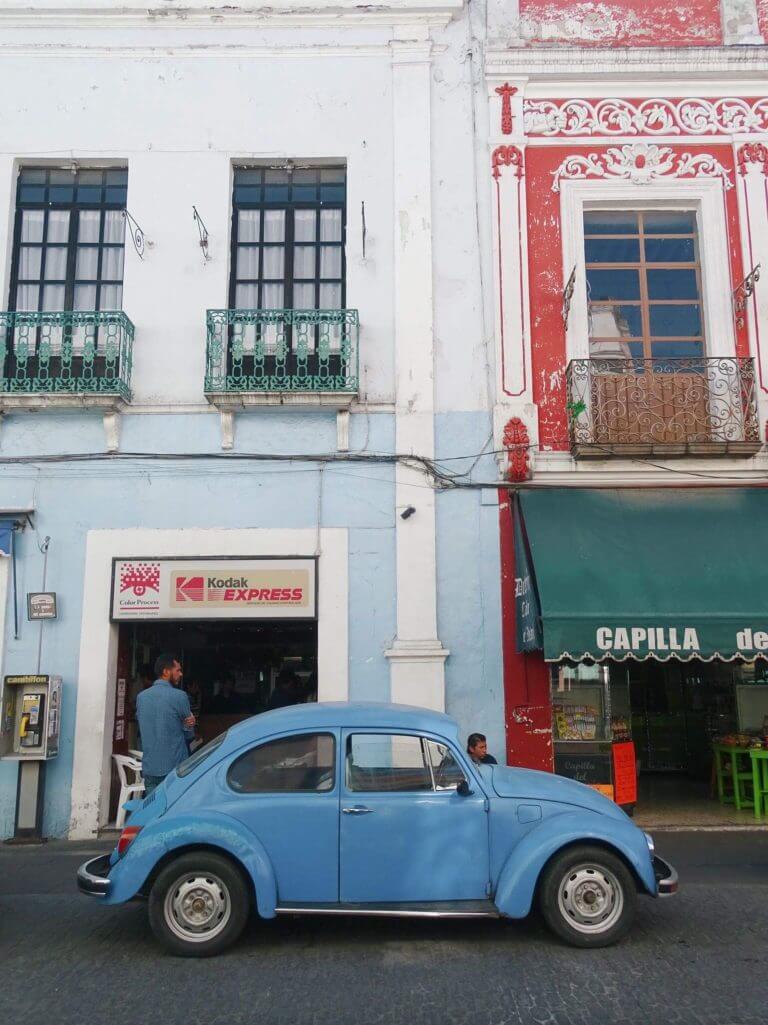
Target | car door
(286,792)
(406,834)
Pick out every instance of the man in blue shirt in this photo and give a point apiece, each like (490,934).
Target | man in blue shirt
(166,723)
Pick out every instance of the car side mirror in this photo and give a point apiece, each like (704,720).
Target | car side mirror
(463,788)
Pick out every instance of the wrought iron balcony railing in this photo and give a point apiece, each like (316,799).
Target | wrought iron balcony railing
(251,352)
(68,353)
(698,406)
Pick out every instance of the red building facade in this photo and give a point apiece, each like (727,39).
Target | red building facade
(628,169)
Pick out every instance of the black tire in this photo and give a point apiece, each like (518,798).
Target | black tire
(199,904)
(588,896)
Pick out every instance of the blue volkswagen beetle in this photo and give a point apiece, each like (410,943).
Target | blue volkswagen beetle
(370,809)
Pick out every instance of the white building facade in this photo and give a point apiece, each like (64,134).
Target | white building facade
(244,261)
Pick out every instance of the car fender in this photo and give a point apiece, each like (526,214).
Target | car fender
(520,873)
(214,830)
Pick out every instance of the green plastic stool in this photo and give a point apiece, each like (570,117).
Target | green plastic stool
(760,780)
(731,767)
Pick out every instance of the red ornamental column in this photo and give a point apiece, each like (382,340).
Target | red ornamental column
(527,702)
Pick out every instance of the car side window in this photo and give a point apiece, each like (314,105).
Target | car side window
(302,763)
(446,770)
(388,762)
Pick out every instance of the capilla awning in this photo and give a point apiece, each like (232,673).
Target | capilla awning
(642,573)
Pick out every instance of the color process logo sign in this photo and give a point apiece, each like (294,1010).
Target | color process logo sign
(214,589)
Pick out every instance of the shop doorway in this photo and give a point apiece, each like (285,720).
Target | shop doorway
(232,670)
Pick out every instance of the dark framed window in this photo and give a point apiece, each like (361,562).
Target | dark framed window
(644,284)
(69,240)
(387,763)
(299,764)
(288,235)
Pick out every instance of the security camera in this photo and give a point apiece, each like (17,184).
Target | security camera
(408,511)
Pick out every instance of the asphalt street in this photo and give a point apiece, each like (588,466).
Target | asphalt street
(699,958)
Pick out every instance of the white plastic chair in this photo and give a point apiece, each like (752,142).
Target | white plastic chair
(128,788)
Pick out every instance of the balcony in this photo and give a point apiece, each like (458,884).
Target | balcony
(71,358)
(663,407)
(276,357)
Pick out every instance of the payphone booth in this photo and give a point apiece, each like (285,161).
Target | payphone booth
(29,734)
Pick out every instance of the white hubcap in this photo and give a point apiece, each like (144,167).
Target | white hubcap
(590,897)
(197,907)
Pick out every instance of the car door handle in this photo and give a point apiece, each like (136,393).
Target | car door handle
(359,809)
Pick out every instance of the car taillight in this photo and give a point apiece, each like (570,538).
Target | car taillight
(127,837)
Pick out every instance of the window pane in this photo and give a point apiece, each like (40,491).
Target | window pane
(446,770)
(304,297)
(274,262)
(32,225)
(58,226)
(676,350)
(304,225)
(612,250)
(85,297)
(330,297)
(672,284)
(612,320)
(610,222)
(330,225)
(670,250)
(88,225)
(29,262)
(112,263)
(276,193)
(53,297)
(675,321)
(111,297)
(246,297)
(87,267)
(288,765)
(386,763)
(613,284)
(272,297)
(330,261)
(27,297)
(114,226)
(55,263)
(274,225)
(304,262)
(333,174)
(247,262)
(248,222)
(669,222)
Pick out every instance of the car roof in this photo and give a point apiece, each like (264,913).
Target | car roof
(344,714)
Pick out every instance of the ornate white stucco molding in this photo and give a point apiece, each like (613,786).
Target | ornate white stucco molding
(613,116)
(640,163)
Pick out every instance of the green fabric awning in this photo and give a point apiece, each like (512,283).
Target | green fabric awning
(642,573)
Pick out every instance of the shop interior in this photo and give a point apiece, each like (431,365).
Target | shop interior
(232,669)
(684,729)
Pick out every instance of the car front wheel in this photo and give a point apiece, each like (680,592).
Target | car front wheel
(199,904)
(588,897)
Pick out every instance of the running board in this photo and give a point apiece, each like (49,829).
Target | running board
(400,909)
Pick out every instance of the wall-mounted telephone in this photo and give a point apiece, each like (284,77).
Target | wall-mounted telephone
(32,720)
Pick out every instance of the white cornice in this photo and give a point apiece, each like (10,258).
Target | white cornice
(221,15)
(677,64)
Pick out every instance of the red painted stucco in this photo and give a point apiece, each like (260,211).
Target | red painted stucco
(622,22)
(548,351)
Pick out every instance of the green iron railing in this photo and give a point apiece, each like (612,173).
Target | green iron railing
(282,351)
(66,353)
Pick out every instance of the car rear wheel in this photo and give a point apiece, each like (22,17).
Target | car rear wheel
(588,897)
(199,904)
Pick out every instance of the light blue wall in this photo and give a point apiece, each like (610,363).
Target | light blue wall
(71,498)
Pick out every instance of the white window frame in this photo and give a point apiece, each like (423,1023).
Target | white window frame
(704,196)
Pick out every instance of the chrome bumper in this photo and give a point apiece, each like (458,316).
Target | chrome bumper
(93,876)
(666,877)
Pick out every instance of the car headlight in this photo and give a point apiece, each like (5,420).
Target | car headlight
(649,841)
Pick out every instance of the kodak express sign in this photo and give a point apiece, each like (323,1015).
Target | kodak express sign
(214,589)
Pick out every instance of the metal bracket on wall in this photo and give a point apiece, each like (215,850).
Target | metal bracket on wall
(570,285)
(203,232)
(742,292)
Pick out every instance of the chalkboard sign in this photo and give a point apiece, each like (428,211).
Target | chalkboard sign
(586,768)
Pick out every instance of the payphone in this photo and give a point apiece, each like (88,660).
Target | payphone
(30,718)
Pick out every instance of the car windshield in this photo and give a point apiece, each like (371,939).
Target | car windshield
(191,763)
